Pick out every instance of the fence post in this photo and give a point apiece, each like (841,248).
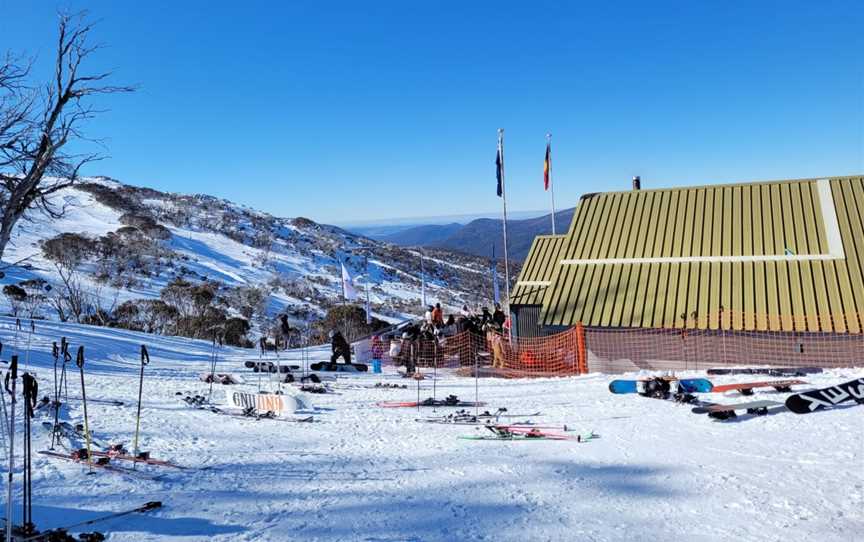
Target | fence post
(581,350)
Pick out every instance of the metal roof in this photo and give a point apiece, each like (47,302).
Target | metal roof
(537,270)
(779,255)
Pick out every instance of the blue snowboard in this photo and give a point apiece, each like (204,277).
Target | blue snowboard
(687,385)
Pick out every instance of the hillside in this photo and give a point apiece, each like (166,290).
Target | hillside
(478,236)
(140,240)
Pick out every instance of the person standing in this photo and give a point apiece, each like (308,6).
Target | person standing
(437,316)
(498,317)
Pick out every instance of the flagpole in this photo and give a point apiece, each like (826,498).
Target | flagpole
(368,307)
(504,201)
(551,184)
(422,278)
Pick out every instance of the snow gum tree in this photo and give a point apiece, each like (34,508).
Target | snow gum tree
(37,123)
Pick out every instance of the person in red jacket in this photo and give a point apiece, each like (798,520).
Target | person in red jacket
(437,316)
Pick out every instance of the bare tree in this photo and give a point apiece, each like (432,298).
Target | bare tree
(37,124)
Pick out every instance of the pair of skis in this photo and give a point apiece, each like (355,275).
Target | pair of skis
(467,418)
(518,433)
(450,401)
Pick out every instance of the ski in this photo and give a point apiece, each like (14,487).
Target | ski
(74,434)
(451,401)
(121,454)
(464,415)
(99,463)
(770,371)
(58,533)
(111,402)
(502,433)
(249,413)
(811,401)
(746,388)
(725,412)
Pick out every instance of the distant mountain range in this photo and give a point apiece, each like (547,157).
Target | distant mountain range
(478,236)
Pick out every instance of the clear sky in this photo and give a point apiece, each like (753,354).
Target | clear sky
(345,111)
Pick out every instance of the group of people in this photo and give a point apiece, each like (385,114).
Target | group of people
(434,323)
(427,339)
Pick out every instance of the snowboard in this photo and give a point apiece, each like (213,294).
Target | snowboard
(326,366)
(746,388)
(811,401)
(770,371)
(265,402)
(270,367)
(686,385)
(723,412)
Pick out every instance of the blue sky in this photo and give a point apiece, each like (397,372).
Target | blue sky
(345,111)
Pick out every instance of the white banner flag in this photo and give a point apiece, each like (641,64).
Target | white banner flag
(348,289)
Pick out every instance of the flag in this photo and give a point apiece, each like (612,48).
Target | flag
(348,290)
(368,311)
(494,270)
(547,166)
(499,170)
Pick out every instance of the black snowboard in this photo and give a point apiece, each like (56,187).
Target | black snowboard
(269,367)
(326,366)
(811,401)
(772,371)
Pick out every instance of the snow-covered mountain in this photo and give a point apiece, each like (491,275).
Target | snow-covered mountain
(146,238)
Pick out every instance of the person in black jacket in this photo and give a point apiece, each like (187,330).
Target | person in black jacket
(498,316)
(340,347)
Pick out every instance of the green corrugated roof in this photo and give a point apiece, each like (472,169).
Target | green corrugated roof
(537,270)
(786,254)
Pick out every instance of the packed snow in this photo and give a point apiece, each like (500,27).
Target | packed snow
(361,472)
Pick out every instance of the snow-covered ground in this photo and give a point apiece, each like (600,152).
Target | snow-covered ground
(360,472)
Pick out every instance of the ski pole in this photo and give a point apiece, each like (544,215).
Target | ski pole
(153,505)
(145,359)
(11,376)
(29,340)
(5,417)
(212,369)
(67,357)
(31,391)
(79,361)
(15,340)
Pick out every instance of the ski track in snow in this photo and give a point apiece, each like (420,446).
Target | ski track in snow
(375,475)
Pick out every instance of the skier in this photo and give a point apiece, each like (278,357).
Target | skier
(340,347)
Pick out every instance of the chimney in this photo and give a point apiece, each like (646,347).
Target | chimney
(637,183)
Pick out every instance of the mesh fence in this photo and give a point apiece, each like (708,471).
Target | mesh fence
(615,350)
(489,354)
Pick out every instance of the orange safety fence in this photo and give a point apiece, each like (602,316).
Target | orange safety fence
(580,350)
(491,354)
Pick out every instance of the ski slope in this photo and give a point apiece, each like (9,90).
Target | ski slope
(657,472)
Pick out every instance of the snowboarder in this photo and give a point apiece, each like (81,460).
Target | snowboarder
(340,348)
